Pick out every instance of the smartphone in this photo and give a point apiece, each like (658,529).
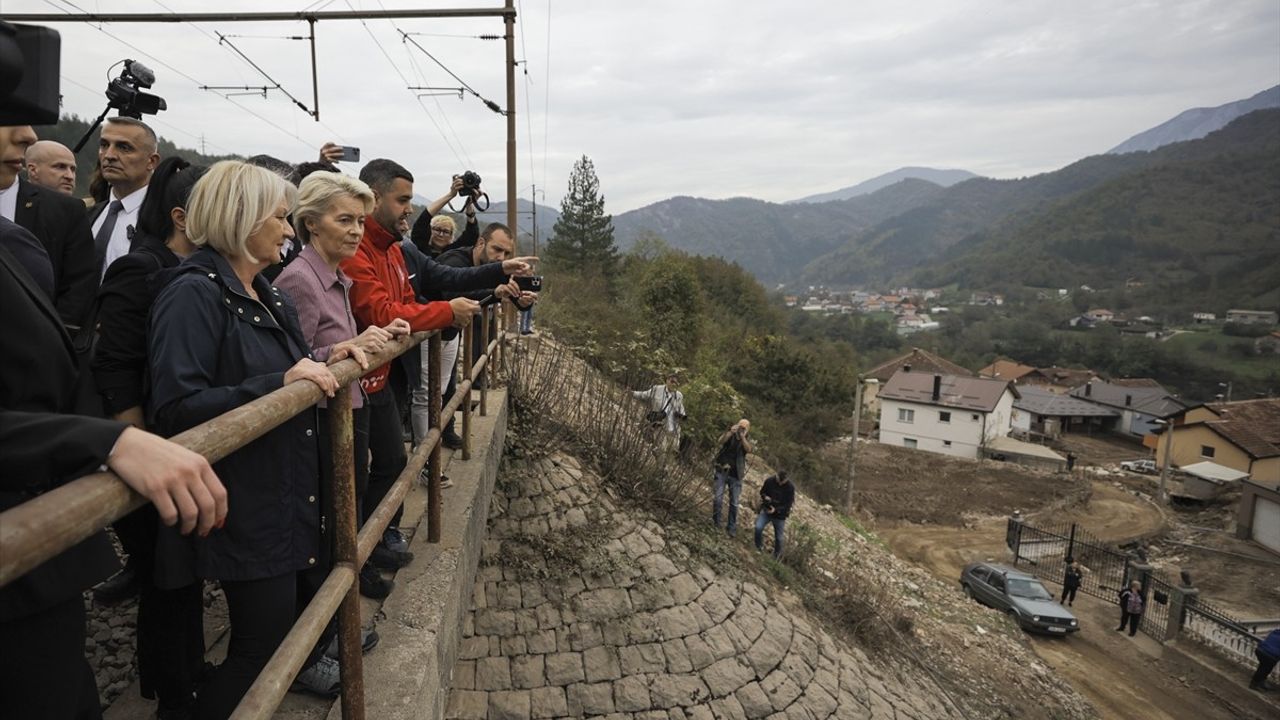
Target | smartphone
(350,154)
(531,283)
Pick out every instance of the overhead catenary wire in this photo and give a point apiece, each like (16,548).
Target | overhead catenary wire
(546,97)
(302,106)
(487,102)
(175,70)
(528,91)
(157,121)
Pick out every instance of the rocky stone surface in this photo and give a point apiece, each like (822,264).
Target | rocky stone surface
(639,629)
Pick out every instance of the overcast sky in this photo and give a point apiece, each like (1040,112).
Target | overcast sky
(711,98)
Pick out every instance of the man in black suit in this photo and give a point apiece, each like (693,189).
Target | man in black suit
(57,221)
(43,673)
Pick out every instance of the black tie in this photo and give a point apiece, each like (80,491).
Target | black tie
(103,238)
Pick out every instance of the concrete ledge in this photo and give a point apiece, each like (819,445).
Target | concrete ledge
(408,675)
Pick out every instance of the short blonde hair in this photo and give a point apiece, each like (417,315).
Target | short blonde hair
(231,202)
(444,221)
(316,195)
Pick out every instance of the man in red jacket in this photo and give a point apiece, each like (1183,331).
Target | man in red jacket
(380,292)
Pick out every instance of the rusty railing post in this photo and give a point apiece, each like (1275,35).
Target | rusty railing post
(433,486)
(488,363)
(343,491)
(468,359)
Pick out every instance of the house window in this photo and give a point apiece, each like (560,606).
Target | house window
(946,443)
(1207,451)
(973,417)
(908,442)
(944,417)
(906,415)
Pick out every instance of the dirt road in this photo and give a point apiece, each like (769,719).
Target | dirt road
(1123,677)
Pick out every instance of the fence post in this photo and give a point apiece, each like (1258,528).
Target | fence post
(433,485)
(468,359)
(1180,598)
(343,482)
(1013,535)
(1071,543)
(488,364)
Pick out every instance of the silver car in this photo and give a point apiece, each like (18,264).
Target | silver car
(1020,595)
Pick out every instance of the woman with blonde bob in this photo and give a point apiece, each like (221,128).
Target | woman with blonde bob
(329,221)
(221,336)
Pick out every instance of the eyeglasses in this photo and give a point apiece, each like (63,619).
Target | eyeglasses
(442,231)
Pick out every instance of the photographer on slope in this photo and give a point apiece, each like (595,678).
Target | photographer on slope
(730,466)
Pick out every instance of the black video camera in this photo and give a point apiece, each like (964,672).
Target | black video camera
(124,93)
(470,184)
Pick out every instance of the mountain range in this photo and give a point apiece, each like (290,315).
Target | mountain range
(1195,123)
(944,178)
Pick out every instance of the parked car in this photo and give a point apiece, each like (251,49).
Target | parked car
(1019,595)
(1147,467)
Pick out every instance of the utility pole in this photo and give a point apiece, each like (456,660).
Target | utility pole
(535,220)
(1164,466)
(510,23)
(853,446)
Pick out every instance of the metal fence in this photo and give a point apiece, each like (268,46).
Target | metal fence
(55,521)
(1170,609)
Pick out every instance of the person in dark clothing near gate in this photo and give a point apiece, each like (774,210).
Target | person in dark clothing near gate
(1131,607)
(776,497)
(1071,578)
(222,336)
(730,465)
(1268,653)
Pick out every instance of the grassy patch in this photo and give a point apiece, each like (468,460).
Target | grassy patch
(1211,348)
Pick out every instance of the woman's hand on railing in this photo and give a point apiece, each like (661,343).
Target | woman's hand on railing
(398,327)
(179,482)
(349,349)
(316,372)
(521,266)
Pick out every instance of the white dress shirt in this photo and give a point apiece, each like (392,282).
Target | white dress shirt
(9,201)
(126,220)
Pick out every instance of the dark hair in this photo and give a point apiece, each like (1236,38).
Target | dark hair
(380,173)
(169,188)
(301,172)
(274,164)
(99,190)
(782,476)
(492,228)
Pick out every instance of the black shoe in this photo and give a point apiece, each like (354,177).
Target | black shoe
(368,641)
(119,587)
(372,584)
(451,440)
(385,558)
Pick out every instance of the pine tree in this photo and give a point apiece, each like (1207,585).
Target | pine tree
(583,236)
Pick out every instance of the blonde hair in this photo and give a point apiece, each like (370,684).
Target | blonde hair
(444,221)
(316,195)
(231,202)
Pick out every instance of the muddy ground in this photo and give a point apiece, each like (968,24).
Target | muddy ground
(943,513)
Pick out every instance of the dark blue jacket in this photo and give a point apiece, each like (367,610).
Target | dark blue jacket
(1271,645)
(212,349)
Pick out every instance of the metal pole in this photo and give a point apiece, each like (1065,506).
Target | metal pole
(1071,543)
(853,446)
(509,18)
(433,486)
(468,360)
(343,491)
(1164,468)
(315,72)
(535,220)
(226,17)
(484,374)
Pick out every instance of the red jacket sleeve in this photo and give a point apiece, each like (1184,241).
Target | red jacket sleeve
(373,303)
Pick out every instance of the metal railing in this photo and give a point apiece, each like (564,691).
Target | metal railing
(55,521)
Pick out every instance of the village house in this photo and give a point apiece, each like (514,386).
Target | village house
(947,414)
(1140,402)
(1268,344)
(986,298)
(1243,436)
(1053,378)
(1040,411)
(917,360)
(1100,315)
(1251,317)
(1201,318)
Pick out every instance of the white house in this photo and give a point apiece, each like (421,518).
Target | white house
(948,414)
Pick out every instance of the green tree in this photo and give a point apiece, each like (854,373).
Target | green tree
(583,236)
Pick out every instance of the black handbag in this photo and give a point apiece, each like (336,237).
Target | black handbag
(657,417)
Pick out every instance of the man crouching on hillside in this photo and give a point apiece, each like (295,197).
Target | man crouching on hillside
(730,467)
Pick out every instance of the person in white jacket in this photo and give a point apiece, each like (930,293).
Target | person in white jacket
(666,410)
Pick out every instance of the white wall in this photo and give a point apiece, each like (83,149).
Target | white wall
(963,432)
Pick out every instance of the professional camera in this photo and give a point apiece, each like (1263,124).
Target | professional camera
(470,184)
(124,95)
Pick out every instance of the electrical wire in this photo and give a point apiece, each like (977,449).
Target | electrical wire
(156,120)
(546,97)
(406,82)
(488,103)
(528,91)
(164,64)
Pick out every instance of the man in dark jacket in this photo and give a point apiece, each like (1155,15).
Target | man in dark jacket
(776,497)
(730,465)
(1268,653)
(43,673)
